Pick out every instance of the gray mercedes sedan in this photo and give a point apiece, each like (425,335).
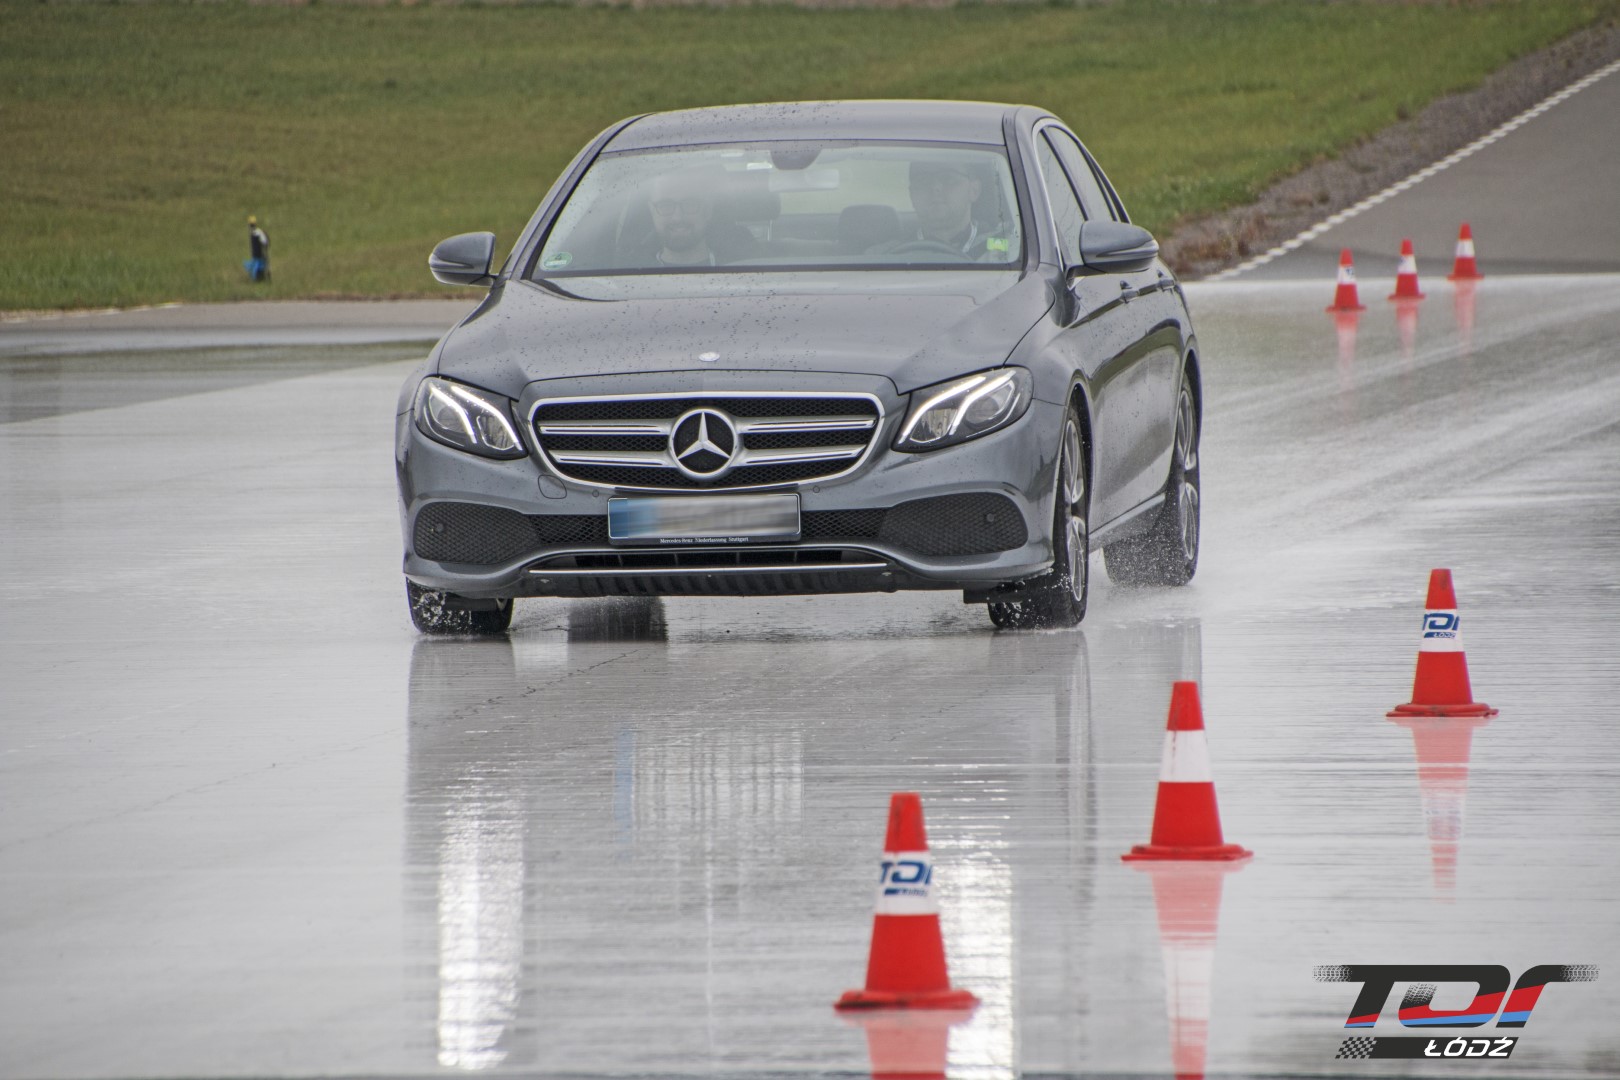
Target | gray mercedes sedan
(818,347)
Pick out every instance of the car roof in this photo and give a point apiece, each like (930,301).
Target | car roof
(925,121)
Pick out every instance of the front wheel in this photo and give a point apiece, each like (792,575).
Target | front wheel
(432,612)
(1058,597)
(1168,555)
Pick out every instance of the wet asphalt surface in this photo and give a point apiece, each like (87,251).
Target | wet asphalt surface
(251,824)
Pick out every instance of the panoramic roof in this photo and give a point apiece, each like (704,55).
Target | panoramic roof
(943,121)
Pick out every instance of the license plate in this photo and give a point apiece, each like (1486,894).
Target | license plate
(703,519)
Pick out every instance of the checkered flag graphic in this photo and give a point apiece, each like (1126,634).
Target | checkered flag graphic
(1358,1046)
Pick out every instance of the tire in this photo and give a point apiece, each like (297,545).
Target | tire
(432,613)
(1168,554)
(1058,597)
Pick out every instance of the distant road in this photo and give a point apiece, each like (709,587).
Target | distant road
(1545,199)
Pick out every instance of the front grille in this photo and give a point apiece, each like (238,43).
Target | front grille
(757,440)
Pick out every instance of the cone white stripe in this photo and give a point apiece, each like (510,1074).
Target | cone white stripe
(1465,249)
(1442,631)
(1347,275)
(905,886)
(1408,266)
(1186,759)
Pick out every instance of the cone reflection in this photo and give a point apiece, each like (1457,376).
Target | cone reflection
(1462,307)
(1345,324)
(1187,896)
(913,1045)
(1406,326)
(1443,745)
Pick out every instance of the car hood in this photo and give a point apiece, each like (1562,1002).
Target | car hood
(912,333)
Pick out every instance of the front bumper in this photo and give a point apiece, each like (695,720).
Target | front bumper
(483,528)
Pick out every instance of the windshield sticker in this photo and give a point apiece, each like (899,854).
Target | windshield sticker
(557,260)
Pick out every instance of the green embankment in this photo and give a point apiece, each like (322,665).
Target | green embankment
(136,138)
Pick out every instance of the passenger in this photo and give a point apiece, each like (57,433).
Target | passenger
(684,230)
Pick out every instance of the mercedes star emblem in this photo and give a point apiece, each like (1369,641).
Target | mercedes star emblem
(703,443)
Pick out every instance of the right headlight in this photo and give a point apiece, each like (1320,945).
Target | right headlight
(476,421)
(964,408)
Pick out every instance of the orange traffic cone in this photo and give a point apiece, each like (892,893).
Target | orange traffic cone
(1444,745)
(912,1045)
(1345,296)
(1186,821)
(1187,897)
(1406,282)
(1463,267)
(1441,687)
(906,969)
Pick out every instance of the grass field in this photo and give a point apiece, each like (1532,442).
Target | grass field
(138,137)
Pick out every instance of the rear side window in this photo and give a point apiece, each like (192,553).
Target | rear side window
(1098,206)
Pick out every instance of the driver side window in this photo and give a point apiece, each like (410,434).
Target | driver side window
(1066,215)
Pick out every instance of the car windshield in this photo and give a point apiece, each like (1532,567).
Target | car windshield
(788,207)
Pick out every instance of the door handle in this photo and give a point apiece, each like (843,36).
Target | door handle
(1126,292)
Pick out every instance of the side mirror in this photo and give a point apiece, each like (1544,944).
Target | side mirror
(464,259)
(1115,247)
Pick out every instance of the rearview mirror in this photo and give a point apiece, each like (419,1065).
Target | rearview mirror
(1114,246)
(464,259)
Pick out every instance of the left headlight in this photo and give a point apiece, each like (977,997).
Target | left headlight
(964,408)
(467,419)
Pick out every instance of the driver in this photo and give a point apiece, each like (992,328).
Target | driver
(943,194)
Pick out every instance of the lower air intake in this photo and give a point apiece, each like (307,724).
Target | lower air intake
(480,535)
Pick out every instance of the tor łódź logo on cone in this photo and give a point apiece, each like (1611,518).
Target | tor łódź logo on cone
(1423,982)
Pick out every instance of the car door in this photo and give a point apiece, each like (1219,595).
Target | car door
(1100,338)
(1145,394)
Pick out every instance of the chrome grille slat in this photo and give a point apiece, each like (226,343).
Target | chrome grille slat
(784,424)
(778,440)
(564,427)
(609,457)
(794,457)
